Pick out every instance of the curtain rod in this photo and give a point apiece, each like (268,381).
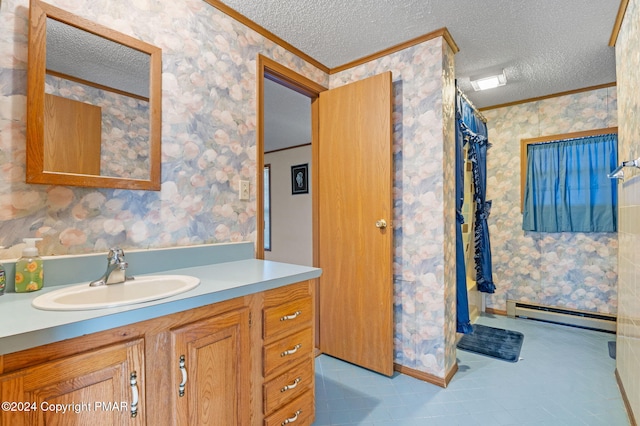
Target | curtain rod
(572,139)
(473,107)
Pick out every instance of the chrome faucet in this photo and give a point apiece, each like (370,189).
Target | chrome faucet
(116,269)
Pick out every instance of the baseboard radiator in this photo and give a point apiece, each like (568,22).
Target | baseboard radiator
(565,316)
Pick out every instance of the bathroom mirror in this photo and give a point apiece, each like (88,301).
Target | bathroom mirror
(93,104)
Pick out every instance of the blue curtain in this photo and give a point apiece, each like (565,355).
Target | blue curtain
(463,323)
(475,134)
(567,186)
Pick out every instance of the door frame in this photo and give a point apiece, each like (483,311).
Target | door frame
(272,70)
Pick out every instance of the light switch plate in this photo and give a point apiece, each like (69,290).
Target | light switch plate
(244,190)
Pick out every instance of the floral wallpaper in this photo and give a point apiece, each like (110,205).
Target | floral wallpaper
(450,221)
(424,232)
(628,339)
(125,127)
(574,270)
(208,134)
(208,145)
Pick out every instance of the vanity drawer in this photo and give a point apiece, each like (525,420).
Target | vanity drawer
(288,386)
(287,317)
(286,294)
(300,411)
(288,350)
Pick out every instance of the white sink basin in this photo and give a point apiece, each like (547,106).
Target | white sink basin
(140,289)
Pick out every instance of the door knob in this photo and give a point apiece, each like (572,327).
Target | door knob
(382,224)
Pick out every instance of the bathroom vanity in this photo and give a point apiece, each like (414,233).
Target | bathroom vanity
(236,350)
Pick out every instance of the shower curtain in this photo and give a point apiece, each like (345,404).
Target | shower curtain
(474,132)
(463,323)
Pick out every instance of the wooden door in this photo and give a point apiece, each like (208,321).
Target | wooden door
(211,359)
(355,200)
(98,388)
(72,136)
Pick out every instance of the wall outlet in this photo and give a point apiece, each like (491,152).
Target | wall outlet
(244,190)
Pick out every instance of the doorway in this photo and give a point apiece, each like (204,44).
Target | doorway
(288,232)
(269,73)
(279,74)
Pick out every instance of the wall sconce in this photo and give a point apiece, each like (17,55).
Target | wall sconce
(488,82)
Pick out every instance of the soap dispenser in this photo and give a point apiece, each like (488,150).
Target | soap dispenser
(29,270)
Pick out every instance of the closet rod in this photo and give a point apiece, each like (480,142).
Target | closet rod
(473,107)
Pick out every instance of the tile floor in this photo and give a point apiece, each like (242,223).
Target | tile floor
(564,377)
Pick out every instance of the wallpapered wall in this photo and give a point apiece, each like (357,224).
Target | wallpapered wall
(208,144)
(628,341)
(423,223)
(125,127)
(208,134)
(576,270)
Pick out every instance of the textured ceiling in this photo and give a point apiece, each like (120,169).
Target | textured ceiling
(544,46)
(84,55)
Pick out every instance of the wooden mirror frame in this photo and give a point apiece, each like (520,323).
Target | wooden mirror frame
(36,70)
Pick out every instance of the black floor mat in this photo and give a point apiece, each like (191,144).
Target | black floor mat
(493,342)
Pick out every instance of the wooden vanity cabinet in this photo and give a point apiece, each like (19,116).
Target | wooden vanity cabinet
(245,361)
(288,356)
(212,361)
(99,387)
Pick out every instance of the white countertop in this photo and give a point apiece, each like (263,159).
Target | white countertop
(23,326)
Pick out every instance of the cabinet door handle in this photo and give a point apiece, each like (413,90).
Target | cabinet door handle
(133,379)
(291,386)
(292,419)
(292,350)
(183,370)
(290,317)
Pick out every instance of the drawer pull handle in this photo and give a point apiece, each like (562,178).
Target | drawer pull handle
(291,386)
(292,350)
(133,379)
(292,419)
(183,370)
(294,315)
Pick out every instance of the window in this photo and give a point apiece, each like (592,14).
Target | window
(566,188)
(267,207)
